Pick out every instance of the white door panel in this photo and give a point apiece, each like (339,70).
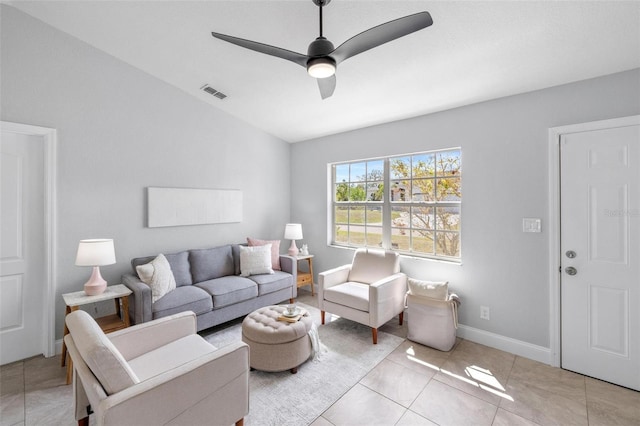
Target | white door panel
(600,222)
(22,260)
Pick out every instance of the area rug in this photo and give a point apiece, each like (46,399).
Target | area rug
(347,355)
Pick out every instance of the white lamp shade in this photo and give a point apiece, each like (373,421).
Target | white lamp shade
(293,231)
(97,252)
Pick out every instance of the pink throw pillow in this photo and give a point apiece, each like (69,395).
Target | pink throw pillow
(275,250)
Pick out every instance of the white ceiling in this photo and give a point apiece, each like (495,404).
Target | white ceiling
(474,51)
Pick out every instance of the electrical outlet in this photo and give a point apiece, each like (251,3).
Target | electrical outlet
(484,313)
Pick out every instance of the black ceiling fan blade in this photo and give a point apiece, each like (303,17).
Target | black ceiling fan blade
(278,52)
(381,34)
(327,86)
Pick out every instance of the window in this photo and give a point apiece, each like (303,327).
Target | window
(419,214)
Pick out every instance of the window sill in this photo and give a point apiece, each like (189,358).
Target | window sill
(404,255)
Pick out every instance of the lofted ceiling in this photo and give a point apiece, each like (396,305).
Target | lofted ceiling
(474,51)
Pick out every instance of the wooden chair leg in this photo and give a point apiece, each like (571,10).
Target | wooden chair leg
(83,421)
(322,317)
(240,422)
(374,333)
(401,317)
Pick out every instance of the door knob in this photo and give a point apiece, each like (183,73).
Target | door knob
(571,270)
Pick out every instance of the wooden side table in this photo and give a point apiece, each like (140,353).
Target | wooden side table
(118,293)
(306,277)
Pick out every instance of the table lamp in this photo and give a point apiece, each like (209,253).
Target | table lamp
(293,232)
(96,253)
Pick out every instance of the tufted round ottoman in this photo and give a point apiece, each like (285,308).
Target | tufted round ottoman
(276,345)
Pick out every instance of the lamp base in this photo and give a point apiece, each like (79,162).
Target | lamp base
(96,284)
(293,249)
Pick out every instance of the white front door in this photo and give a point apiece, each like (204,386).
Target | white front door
(600,249)
(22,246)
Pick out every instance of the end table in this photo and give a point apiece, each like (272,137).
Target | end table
(306,277)
(119,293)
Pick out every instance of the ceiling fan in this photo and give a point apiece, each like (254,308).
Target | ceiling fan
(322,58)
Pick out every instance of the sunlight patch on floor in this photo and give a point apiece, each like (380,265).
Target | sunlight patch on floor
(479,377)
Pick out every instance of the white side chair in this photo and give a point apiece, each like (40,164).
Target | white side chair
(159,372)
(369,291)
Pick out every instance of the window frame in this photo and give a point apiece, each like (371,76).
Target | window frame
(387,206)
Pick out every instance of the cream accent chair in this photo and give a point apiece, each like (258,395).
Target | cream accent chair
(156,373)
(369,291)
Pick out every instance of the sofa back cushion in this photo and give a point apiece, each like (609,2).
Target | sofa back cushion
(235,249)
(207,264)
(98,352)
(370,266)
(179,263)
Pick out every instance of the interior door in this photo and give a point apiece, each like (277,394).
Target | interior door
(22,252)
(600,248)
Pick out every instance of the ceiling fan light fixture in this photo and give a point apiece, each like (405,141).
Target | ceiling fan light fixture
(321,67)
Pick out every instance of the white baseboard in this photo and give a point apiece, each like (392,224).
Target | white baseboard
(58,346)
(507,344)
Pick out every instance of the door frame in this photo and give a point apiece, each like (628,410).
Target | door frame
(555,257)
(50,139)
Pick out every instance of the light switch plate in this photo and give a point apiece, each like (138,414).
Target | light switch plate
(531,224)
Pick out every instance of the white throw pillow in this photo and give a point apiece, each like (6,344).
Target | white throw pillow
(157,275)
(433,289)
(275,250)
(255,260)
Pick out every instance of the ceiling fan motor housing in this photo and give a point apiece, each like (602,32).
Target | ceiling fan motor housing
(320,47)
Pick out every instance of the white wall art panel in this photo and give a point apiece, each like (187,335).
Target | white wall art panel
(186,206)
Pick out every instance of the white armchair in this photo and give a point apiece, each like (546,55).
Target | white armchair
(369,291)
(156,373)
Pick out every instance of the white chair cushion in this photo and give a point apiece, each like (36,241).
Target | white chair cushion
(354,295)
(170,356)
(102,357)
(370,266)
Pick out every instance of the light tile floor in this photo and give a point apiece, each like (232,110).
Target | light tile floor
(415,385)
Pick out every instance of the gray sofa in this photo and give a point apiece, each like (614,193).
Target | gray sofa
(208,282)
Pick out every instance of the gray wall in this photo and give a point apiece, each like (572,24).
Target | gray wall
(505,178)
(120,131)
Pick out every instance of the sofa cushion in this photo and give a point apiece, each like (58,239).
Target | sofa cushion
(207,264)
(179,263)
(255,260)
(170,356)
(98,352)
(270,283)
(227,291)
(275,250)
(354,295)
(157,275)
(185,298)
